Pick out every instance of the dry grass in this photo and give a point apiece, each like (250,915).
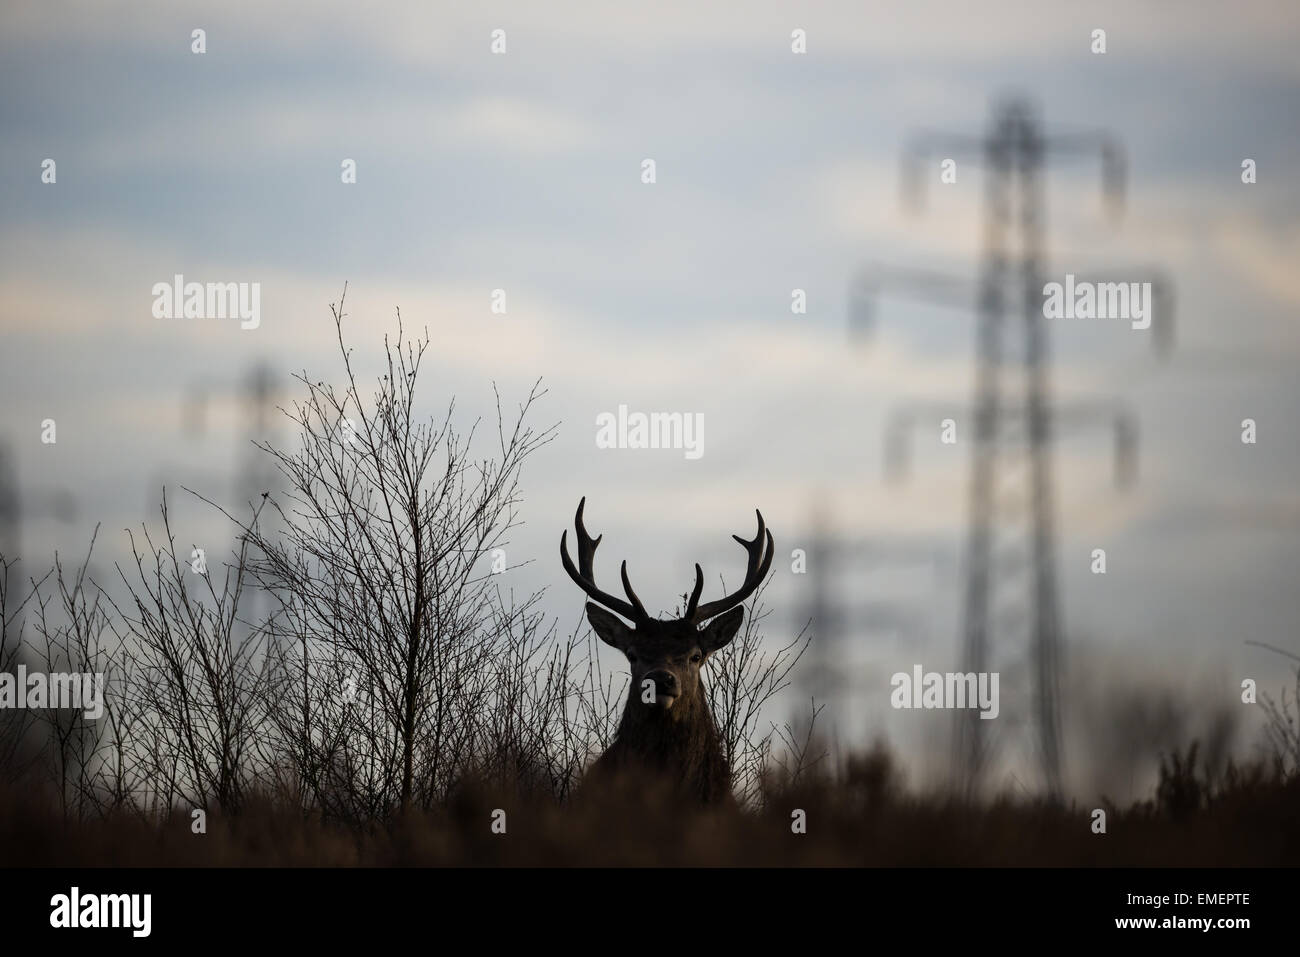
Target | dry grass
(1250,818)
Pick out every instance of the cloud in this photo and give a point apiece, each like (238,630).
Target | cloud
(1266,259)
(776,171)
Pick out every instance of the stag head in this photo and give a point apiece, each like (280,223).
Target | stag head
(665,655)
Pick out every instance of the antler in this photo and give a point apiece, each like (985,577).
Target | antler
(755,572)
(585,577)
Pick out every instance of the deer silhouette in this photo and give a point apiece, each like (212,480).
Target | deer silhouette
(667,728)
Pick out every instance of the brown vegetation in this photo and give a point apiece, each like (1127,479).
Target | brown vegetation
(860,818)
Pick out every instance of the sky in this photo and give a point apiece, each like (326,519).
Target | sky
(522,171)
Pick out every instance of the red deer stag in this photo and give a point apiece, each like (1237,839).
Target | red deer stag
(667,728)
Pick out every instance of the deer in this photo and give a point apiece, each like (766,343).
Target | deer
(667,730)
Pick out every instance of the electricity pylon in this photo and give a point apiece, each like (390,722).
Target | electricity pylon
(865,596)
(1014,153)
(253,474)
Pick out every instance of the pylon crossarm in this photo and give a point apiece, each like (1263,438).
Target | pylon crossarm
(899,427)
(1114,165)
(1161,304)
(873,280)
(1069,417)
(928,146)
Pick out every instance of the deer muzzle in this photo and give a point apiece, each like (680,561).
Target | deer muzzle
(666,689)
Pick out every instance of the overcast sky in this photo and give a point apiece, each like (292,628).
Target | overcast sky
(775,171)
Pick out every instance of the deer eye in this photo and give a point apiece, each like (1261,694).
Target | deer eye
(696,658)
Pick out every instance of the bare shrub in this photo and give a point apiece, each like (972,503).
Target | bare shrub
(195,692)
(72,635)
(379,563)
(1282,731)
(17,754)
(742,679)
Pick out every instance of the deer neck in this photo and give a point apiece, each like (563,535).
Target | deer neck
(669,737)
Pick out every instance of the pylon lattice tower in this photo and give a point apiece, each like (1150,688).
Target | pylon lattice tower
(1011,591)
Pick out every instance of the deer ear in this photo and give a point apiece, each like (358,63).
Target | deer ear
(609,627)
(721,630)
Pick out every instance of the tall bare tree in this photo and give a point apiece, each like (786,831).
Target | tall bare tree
(380,559)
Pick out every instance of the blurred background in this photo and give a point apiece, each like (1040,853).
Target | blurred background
(775,171)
